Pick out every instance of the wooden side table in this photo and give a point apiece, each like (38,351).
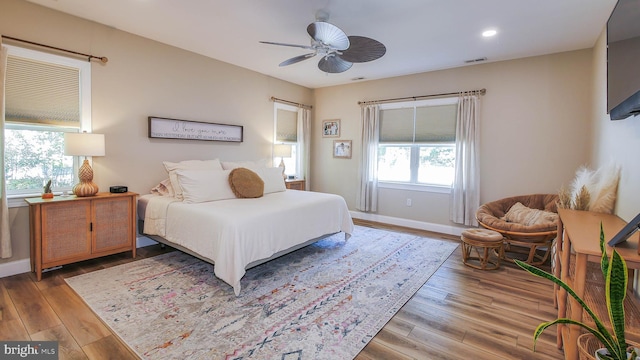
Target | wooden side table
(579,233)
(295,184)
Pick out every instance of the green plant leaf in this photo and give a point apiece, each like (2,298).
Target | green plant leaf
(605,336)
(604,262)
(616,291)
(543,326)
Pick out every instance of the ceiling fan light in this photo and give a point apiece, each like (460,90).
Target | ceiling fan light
(489,33)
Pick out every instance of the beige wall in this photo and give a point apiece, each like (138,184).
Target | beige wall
(145,78)
(535,129)
(617,141)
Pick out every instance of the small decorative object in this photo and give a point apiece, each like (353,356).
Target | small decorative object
(616,275)
(47,193)
(84,144)
(331,128)
(342,149)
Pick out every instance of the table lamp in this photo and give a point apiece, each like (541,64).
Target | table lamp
(283,151)
(84,144)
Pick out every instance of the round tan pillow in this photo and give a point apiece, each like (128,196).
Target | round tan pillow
(245,183)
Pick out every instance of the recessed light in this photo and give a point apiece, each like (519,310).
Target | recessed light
(489,33)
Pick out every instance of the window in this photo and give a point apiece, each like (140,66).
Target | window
(286,132)
(46,95)
(417,142)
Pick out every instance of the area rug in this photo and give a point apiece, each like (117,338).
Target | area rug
(324,301)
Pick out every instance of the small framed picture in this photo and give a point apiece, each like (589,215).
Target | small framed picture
(331,128)
(342,149)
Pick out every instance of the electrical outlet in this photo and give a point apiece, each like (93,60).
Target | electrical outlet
(408,202)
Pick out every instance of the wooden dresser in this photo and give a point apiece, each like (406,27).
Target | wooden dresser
(70,229)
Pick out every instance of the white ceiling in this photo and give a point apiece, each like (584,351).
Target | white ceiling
(420,35)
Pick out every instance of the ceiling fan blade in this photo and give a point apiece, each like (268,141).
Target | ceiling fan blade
(333,64)
(363,49)
(297,59)
(290,45)
(328,34)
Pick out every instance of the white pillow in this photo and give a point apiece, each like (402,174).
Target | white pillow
(171,167)
(204,185)
(273,180)
(251,165)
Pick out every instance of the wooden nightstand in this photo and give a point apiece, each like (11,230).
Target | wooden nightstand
(70,229)
(296,184)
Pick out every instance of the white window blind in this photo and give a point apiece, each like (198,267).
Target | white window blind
(286,126)
(427,124)
(42,93)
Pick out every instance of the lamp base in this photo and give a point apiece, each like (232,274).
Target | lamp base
(282,166)
(86,186)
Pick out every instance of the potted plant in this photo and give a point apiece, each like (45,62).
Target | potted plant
(47,193)
(614,270)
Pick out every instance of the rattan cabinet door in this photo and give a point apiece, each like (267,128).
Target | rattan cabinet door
(112,224)
(65,232)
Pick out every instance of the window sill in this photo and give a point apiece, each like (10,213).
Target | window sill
(414,187)
(17,200)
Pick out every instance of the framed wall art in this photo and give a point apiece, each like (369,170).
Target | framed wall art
(331,128)
(165,128)
(342,149)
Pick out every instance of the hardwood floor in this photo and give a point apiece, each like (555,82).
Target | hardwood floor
(460,313)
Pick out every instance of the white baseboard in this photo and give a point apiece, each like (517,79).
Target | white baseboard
(142,241)
(24,265)
(414,224)
(15,267)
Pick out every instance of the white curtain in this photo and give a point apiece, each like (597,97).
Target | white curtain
(5,230)
(466,184)
(304,144)
(367,196)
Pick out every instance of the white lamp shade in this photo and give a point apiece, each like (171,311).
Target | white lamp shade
(83,144)
(282,150)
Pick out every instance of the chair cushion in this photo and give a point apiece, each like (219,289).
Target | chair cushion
(492,213)
(482,235)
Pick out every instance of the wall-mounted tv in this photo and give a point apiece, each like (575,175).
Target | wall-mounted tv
(623,57)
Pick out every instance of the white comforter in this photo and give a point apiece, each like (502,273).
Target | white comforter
(234,233)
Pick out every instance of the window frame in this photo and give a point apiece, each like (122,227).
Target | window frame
(296,144)
(15,198)
(413,185)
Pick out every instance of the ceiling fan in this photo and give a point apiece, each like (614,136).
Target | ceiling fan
(338,50)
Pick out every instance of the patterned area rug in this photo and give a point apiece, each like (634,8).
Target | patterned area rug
(324,301)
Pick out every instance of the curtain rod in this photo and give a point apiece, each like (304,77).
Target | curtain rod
(103,59)
(292,103)
(481,92)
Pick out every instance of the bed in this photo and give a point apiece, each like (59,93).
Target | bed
(238,233)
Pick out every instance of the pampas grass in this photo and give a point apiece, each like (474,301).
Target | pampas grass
(581,200)
(564,198)
(603,197)
(592,190)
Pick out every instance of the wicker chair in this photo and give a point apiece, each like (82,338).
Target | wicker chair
(532,241)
